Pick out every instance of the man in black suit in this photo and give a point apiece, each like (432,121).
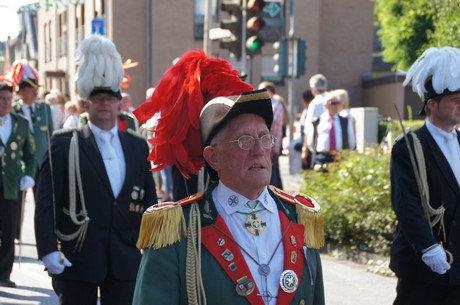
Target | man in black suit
(426,250)
(96,208)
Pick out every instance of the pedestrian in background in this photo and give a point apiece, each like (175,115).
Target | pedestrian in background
(425,194)
(330,132)
(92,191)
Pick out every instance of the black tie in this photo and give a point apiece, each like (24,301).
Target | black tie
(32,114)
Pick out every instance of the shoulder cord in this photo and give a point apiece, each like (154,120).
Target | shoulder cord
(194,282)
(428,209)
(74,179)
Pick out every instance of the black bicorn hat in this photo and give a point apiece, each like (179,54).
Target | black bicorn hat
(218,112)
(435,73)
(6,86)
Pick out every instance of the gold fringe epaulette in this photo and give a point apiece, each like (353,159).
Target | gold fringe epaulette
(163,223)
(309,214)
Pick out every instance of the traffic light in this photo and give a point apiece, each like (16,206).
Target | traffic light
(299,67)
(254,24)
(233,24)
(281,58)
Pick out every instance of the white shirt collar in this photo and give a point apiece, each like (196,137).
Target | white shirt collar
(97,131)
(437,132)
(232,201)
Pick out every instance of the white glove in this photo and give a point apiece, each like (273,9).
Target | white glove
(436,259)
(26,182)
(52,262)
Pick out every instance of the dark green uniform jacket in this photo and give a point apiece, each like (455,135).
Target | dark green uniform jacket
(42,124)
(162,279)
(18,157)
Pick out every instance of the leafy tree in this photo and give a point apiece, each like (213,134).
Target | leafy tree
(447,28)
(409,27)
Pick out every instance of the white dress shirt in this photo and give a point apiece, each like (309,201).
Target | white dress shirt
(261,247)
(119,157)
(6,128)
(448,142)
(323,133)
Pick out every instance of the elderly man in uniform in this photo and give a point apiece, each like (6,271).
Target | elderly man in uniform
(92,190)
(18,167)
(425,192)
(247,242)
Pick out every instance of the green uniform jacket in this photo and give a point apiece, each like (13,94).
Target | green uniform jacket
(43,123)
(18,157)
(161,278)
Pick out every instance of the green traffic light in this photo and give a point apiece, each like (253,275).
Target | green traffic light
(254,44)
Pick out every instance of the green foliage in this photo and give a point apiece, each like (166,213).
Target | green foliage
(407,28)
(447,29)
(404,27)
(395,127)
(355,197)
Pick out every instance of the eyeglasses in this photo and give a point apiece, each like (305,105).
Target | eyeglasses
(97,99)
(248,142)
(335,103)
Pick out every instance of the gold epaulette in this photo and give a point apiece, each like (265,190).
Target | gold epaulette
(309,214)
(163,223)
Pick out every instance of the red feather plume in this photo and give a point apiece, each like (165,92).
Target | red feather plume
(20,70)
(180,96)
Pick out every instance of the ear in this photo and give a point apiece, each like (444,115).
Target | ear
(209,154)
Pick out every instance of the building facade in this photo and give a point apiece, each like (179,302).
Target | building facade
(339,36)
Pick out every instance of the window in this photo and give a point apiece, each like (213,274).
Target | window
(199,12)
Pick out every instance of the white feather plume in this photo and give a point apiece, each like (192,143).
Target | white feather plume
(441,64)
(99,65)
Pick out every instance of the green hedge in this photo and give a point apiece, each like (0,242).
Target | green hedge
(355,197)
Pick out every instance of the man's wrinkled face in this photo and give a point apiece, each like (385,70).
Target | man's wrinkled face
(244,171)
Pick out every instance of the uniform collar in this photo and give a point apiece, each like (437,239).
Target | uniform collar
(232,201)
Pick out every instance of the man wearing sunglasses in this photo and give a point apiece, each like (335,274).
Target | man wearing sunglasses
(330,132)
(92,189)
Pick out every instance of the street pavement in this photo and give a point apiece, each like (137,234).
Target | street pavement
(346,283)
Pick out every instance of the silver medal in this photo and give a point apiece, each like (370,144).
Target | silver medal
(14,145)
(289,281)
(264,269)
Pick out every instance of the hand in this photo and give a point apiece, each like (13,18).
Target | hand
(436,258)
(52,262)
(26,182)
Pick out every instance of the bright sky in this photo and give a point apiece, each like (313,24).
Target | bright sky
(9,19)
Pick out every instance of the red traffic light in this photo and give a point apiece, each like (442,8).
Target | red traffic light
(255,6)
(255,24)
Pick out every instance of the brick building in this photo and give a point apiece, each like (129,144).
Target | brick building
(339,36)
